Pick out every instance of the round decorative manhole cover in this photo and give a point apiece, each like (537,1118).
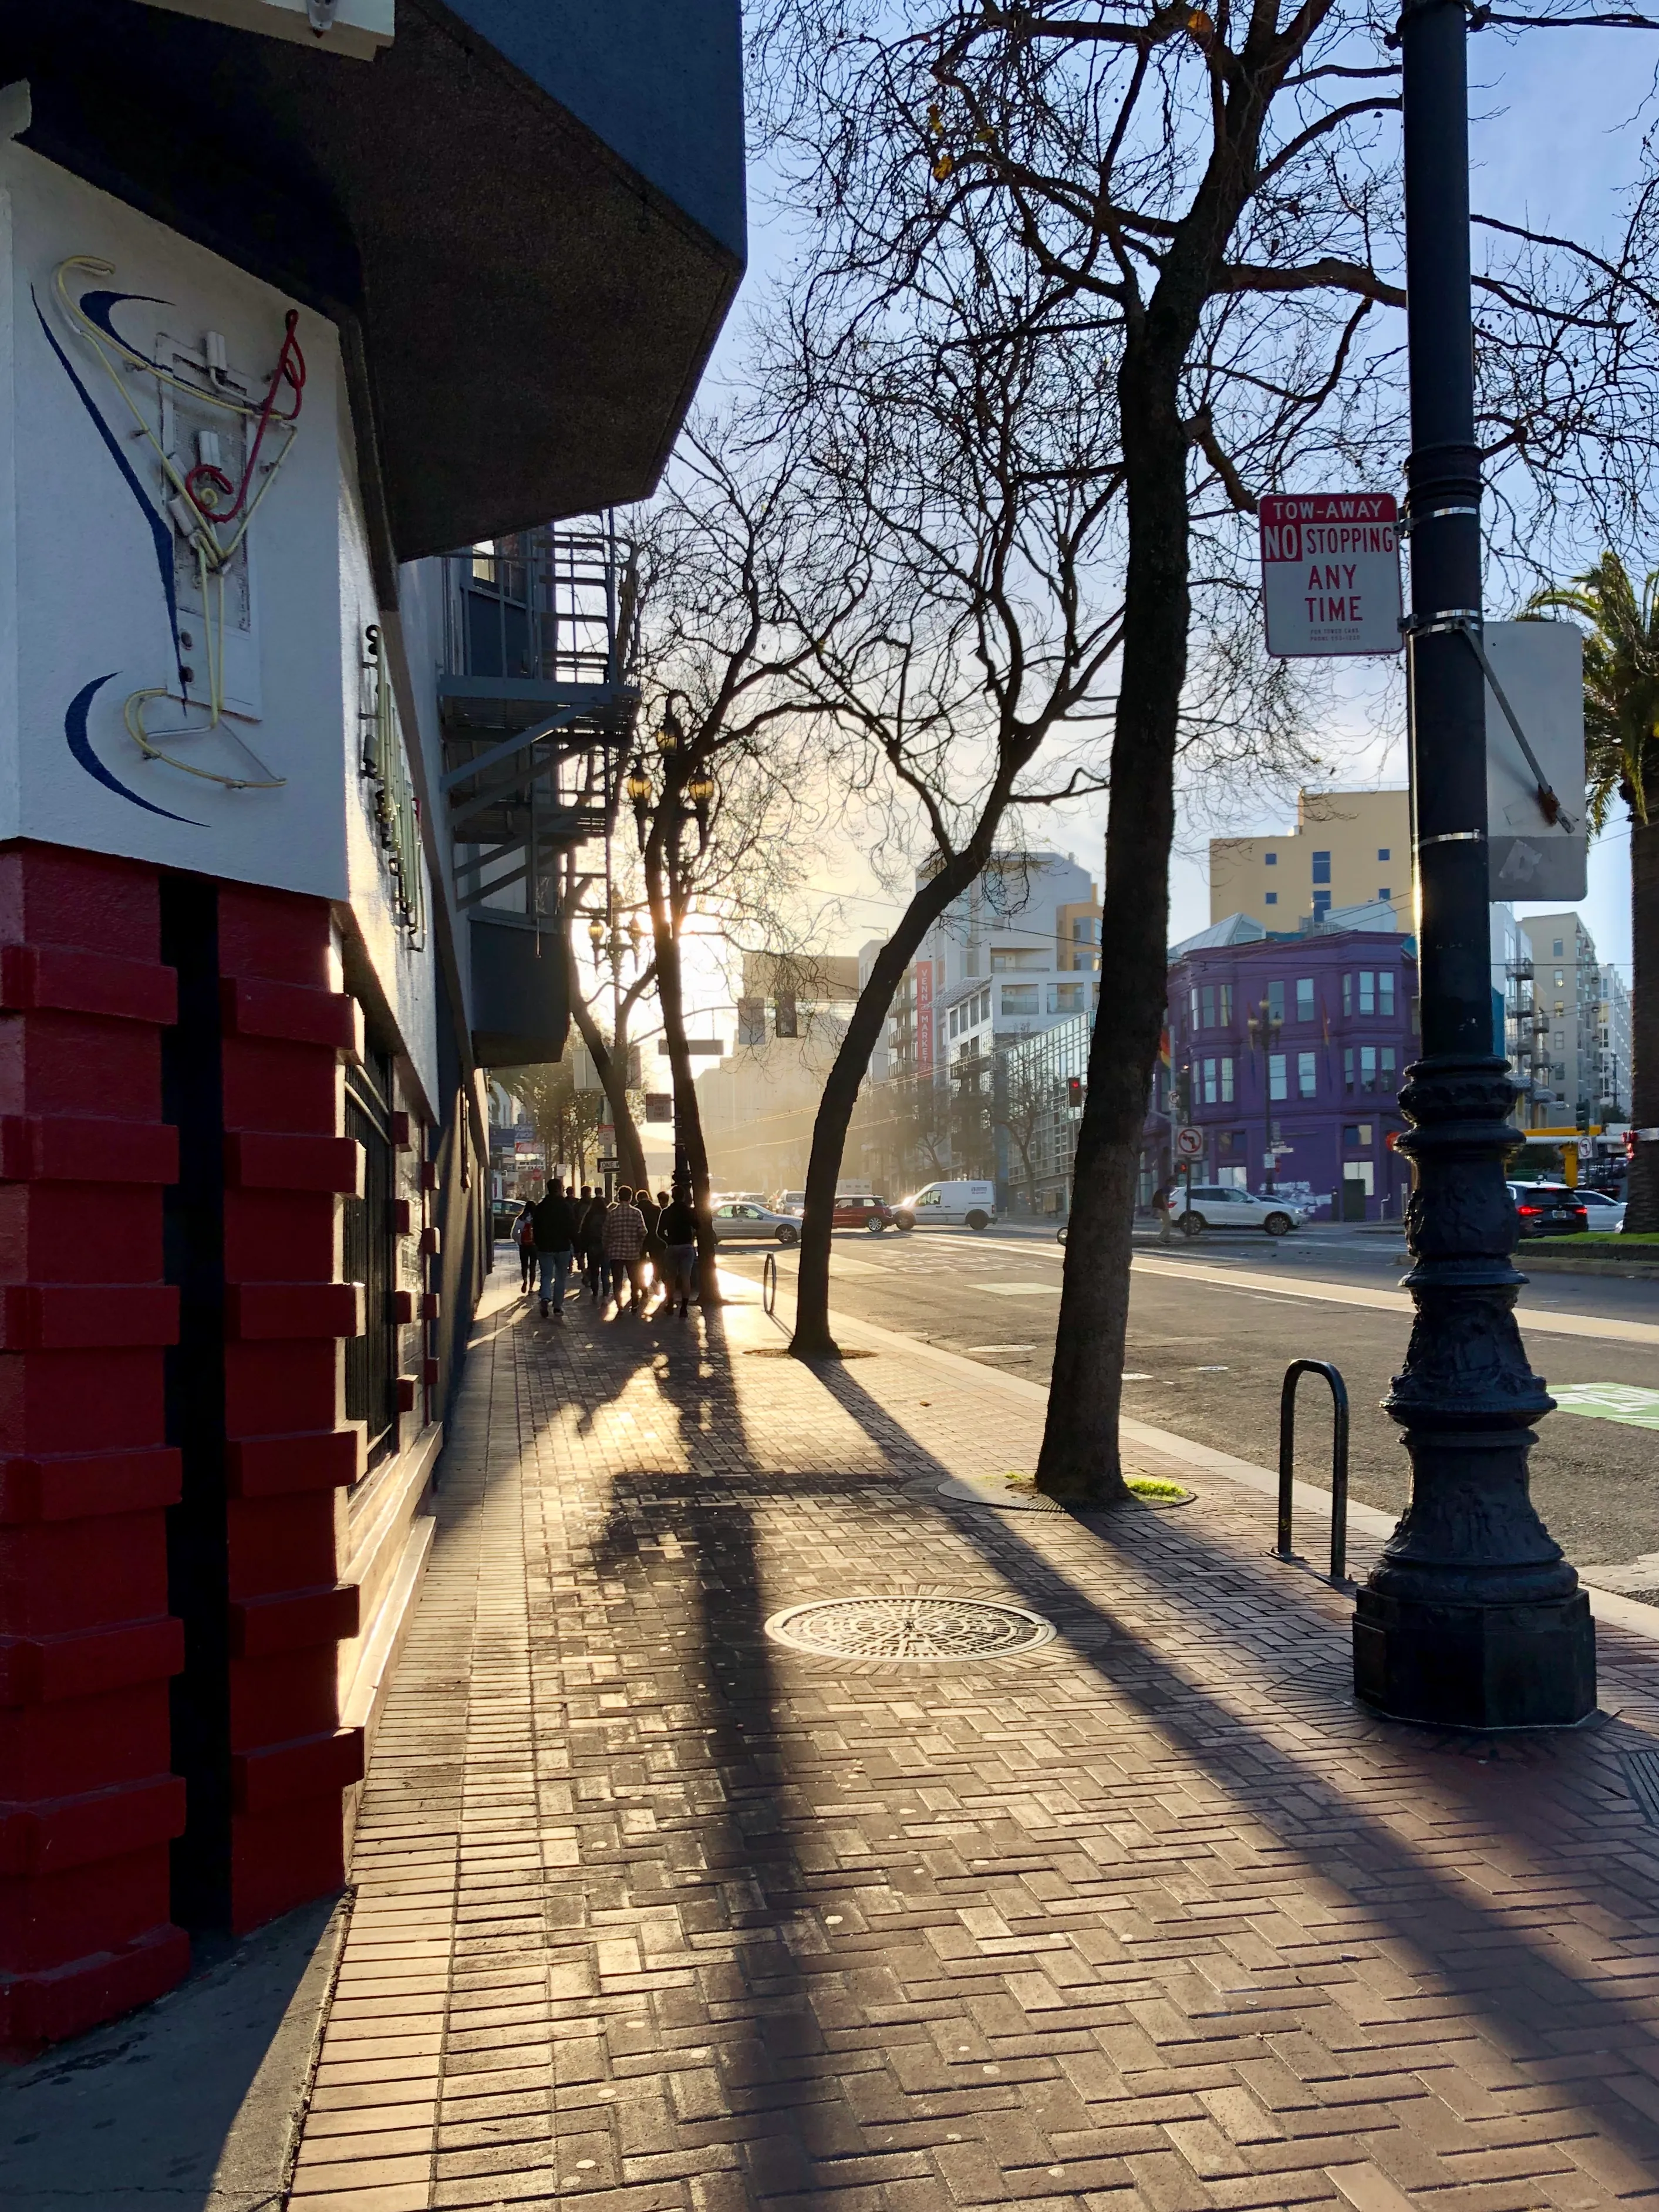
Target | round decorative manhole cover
(909,1627)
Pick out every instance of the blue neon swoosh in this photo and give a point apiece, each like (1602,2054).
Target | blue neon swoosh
(160,532)
(75,729)
(96,306)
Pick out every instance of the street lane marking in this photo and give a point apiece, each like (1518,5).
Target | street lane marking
(1002,1347)
(1343,1294)
(1021,1290)
(1610,1402)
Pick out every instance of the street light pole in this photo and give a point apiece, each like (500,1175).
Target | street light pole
(1472,1617)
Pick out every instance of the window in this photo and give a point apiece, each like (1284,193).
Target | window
(1276,1002)
(1351,1135)
(1227,1082)
(1064,998)
(1019,997)
(1305,998)
(1321,905)
(1272,898)
(1307,1076)
(984,1013)
(1006,959)
(1385,992)
(1560,979)
(370,1256)
(1386,1068)
(1208,1082)
(1384,853)
(955,1014)
(1321,867)
(1271,859)
(1368,1067)
(1347,1068)
(1383,892)
(1367,991)
(1194,1005)
(1225,992)
(1206,999)
(1277,1081)
(1556,950)
(1347,994)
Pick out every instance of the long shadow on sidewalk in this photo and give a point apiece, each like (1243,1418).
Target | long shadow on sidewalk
(1534,2008)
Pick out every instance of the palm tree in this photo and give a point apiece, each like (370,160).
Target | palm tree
(1621,760)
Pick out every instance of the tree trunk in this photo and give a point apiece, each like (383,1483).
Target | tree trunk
(687,1117)
(1642,1185)
(1080,1463)
(811,1339)
(611,1068)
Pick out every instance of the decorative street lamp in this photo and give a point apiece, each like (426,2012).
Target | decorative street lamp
(637,784)
(1472,1618)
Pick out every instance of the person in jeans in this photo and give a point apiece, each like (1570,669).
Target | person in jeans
(524,1235)
(624,1237)
(555,1242)
(676,1229)
(592,1246)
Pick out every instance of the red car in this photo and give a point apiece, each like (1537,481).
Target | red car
(862,1210)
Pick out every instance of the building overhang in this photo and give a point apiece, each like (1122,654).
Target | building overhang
(525,215)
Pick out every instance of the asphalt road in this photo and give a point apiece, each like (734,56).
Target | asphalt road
(1209,1340)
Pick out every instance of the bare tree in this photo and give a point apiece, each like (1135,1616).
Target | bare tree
(1215,197)
(736,581)
(1025,1103)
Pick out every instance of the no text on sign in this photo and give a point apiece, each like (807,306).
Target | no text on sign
(1188,1144)
(1330,572)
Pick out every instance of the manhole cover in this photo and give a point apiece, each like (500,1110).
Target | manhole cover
(909,1628)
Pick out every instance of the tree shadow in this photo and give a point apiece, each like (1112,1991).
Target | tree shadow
(1267,1748)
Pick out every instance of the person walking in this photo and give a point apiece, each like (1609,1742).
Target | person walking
(652,1255)
(1163,1206)
(624,1237)
(555,1241)
(592,1246)
(524,1235)
(676,1229)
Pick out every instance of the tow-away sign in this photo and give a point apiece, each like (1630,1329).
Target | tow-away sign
(1330,572)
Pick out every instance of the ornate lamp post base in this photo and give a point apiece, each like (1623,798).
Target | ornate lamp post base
(1475,1666)
(1472,1618)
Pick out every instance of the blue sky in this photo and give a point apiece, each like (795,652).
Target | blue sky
(1558,120)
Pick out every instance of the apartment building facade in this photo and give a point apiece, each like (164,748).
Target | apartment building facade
(1348,848)
(1287,1054)
(1574,1074)
(1016,953)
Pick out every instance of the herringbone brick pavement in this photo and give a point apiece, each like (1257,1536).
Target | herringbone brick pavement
(654,1910)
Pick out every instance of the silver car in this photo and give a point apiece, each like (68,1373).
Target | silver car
(741,1217)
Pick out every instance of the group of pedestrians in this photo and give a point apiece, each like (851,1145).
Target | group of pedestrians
(616,1243)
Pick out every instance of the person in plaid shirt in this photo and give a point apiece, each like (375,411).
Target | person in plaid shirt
(624,1237)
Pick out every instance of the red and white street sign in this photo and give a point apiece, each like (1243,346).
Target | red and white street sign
(1330,572)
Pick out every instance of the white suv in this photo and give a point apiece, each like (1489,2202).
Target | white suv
(1221,1206)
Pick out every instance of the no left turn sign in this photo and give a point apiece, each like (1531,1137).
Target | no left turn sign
(1330,572)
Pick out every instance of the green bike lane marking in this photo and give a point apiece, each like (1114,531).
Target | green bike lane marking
(1626,1402)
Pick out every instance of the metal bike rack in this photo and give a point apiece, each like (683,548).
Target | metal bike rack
(1294,1374)
(769,1282)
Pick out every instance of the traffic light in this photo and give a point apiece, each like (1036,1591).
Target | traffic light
(1074,1090)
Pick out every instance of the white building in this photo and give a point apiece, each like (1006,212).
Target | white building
(1017,951)
(1567,997)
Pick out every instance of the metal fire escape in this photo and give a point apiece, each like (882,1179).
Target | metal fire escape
(537,718)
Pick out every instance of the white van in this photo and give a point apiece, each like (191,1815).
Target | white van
(949,1204)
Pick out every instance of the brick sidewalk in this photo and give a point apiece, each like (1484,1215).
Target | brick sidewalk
(653,1908)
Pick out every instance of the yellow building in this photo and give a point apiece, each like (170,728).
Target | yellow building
(1348,848)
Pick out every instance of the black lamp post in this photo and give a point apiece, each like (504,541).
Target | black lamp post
(1472,1618)
(1266,1027)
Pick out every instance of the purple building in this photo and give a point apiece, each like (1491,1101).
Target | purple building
(1287,1052)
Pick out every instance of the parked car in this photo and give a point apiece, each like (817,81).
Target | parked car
(787,1201)
(862,1209)
(741,1217)
(1605,1209)
(1549,1209)
(949,1204)
(1223,1206)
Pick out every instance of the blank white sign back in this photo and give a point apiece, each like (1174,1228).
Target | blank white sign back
(1540,667)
